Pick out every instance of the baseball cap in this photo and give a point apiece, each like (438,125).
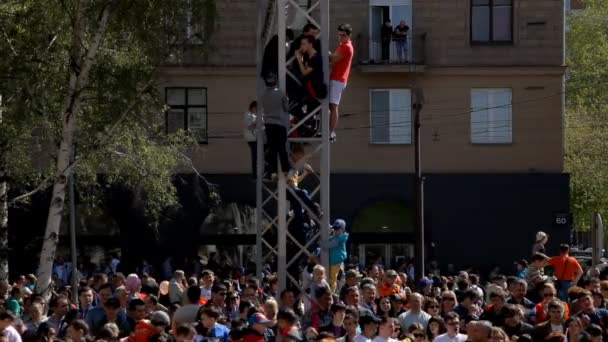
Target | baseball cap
(160,318)
(426,281)
(540,236)
(353,273)
(338,224)
(367,319)
(396,296)
(258,318)
(391,273)
(522,262)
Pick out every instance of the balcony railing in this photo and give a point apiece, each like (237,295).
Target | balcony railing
(414,52)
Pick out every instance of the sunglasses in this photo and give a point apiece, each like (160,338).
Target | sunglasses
(419,335)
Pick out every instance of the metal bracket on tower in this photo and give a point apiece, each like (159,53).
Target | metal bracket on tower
(277,244)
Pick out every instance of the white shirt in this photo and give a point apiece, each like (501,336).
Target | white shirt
(362,338)
(446,338)
(384,339)
(557,328)
(206,292)
(408,318)
(249,119)
(11,334)
(186,314)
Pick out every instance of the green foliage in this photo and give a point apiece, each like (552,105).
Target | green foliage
(120,127)
(586,119)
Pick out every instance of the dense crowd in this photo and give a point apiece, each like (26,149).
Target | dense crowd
(371,304)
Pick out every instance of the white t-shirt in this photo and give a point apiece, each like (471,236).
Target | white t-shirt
(362,338)
(249,119)
(11,334)
(384,339)
(447,338)
(557,328)
(186,314)
(408,318)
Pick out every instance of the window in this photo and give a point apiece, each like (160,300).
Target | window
(491,121)
(390,116)
(187,111)
(395,11)
(491,21)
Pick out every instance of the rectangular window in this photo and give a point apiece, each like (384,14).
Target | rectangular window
(491,118)
(390,116)
(187,111)
(491,21)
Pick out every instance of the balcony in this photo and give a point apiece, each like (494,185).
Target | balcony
(413,61)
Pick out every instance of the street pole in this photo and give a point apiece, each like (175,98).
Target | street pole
(417,103)
(73,251)
(597,239)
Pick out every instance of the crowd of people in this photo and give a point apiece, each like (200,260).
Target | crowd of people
(544,299)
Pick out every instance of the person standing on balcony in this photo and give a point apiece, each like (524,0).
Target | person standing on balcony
(400,37)
(250,135)
(340,61)
(386,35)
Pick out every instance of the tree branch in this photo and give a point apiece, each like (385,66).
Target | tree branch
(140,168)
(39,188)
(123,115)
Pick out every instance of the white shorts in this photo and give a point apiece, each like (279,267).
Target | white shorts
(335,91)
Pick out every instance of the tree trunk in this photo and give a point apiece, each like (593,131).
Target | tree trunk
(3,228)
(3,216)
(80,67)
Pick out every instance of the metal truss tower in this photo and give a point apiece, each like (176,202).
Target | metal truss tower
(276,243)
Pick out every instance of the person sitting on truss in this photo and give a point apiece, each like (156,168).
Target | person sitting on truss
(295,176)
(310,63)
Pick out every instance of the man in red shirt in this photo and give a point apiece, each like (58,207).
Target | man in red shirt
(340,69)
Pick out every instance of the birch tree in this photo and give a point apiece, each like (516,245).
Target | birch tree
(586,119)
(83,71)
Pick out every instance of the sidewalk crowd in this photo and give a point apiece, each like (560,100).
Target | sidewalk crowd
(371,304)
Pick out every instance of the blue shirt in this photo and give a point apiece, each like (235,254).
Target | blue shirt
(599,316)
(337,249)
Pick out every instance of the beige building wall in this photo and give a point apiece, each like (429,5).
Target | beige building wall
(532,66)
(446,134)
(537,33)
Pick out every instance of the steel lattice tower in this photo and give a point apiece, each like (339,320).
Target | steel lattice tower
(274,240)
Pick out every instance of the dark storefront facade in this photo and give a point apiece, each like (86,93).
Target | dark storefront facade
(472,220)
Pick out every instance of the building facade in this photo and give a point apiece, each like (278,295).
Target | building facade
(492,74)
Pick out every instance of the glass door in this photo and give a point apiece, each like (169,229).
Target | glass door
(371,254)
(400,253)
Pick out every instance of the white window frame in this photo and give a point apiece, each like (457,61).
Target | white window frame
(398,121)
(491,132)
